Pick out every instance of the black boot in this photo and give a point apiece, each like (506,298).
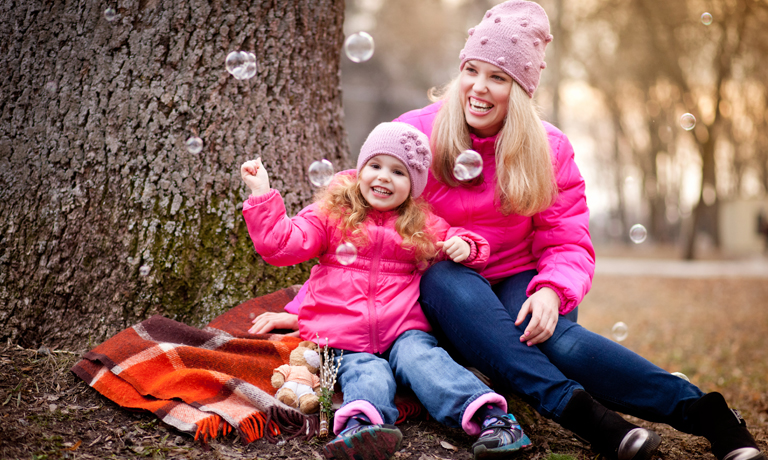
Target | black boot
(607,432)
(724,428)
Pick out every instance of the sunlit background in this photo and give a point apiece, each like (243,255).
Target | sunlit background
(620,79)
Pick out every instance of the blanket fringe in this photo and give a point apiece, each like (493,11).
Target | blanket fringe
(208,428)
(252,427)
(291,423)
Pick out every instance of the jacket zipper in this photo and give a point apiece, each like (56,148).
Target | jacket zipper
(373,318)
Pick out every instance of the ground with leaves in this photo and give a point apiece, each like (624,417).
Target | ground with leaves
(714,331)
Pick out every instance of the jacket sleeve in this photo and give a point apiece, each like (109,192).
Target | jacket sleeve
(480,250)
(561,240)
(280,240)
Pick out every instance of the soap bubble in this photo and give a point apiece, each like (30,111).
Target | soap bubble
(359,47)
(688,121)
(706,19)
(346,253)
(194,145)
(638,233)
(320,173)
(682,376)
(619,331)
(110,14)
(469,165)
(241,64)
(144,270)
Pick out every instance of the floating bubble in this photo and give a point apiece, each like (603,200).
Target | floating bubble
(144,270)
(51,86)
(359,47)
(469,164)
(688,121)
(619,331)
(320,173)
(241,64)
(346,253)
(638,233)
(706,19)
(194,145)
(682,376)
(110,14)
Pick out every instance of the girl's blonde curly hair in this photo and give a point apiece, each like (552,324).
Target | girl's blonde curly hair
(343,202)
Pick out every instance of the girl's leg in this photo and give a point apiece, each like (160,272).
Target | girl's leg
(454,396)
(450,393)
(369,388)
(364,423)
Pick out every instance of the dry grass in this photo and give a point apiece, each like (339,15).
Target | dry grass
(715,331)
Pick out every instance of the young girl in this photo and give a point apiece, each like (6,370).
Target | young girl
(369,307)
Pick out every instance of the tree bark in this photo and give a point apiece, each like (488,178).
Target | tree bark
(95,179)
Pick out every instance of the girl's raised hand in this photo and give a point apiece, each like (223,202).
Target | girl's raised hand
(255,177)
(455,248)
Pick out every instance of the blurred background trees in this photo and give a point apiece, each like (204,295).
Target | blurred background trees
(621,74)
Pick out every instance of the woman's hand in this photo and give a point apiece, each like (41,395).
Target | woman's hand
(269,321)
(544,308)
(455,248)
(255,176)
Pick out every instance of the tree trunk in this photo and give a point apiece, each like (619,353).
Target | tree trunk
(96,184)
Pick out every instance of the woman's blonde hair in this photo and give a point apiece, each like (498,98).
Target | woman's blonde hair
(344,203)
(525,178)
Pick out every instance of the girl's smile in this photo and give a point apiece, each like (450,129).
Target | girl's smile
(384,182)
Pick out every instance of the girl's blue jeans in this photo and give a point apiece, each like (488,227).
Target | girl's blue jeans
(478,321)
(414,360)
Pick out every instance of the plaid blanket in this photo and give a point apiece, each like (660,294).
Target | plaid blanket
(205,382)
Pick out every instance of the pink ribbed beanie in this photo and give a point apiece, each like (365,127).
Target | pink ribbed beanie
(403,142)
(511,36)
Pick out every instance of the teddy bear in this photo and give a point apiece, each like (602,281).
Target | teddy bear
(297,382)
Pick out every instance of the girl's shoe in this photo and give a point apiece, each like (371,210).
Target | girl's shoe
(365,441)
(500,437)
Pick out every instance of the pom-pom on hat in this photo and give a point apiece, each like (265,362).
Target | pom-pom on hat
(403,142)
(511,36)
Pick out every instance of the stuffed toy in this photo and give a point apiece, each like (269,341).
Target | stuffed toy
(297,382)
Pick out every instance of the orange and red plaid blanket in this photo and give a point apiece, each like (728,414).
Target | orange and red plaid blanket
(202,381)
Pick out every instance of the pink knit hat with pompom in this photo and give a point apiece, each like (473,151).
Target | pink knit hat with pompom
(403,142)
(511,36)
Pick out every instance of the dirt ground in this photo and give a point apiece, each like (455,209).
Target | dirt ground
(713,330)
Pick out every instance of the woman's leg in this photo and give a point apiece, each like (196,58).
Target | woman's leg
(463,305)
(614,375)
(624,381)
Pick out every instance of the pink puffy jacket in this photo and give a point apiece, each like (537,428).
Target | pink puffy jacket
(363,306)
(555,242)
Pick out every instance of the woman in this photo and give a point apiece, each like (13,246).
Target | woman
(510,320)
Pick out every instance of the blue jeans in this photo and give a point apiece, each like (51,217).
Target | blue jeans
(479,321)
(414,360)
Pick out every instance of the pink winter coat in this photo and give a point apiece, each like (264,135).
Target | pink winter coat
(363,306)
(555,242)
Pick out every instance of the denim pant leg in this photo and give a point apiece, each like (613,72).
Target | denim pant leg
(616,376)
(464,306)
(446,389)
(366,377)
